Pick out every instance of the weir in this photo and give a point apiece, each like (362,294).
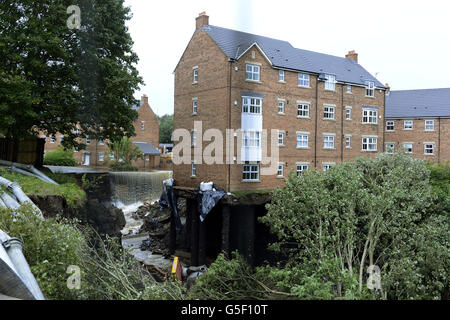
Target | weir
(130,188)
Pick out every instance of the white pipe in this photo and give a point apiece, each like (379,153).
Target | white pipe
(20,195)
(11,254)
(27,167)
(9,201)
(2,204)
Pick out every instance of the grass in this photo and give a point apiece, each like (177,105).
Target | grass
(68,188)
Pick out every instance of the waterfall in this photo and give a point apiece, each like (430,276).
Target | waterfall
(136,187)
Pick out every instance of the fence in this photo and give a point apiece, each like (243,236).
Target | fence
(27,151)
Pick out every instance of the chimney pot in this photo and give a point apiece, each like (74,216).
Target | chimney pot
(144,99)
(201,20)
(352,55)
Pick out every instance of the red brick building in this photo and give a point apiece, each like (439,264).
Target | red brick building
(146,127)
(419,122)
(325,109)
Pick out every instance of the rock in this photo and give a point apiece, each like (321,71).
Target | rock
(107,221)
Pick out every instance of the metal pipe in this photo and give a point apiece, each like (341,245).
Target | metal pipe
(9,201)
(28,168)
(14,250)
(16,277)
(2,204)
(20,195)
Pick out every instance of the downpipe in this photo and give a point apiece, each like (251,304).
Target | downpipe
(19,265)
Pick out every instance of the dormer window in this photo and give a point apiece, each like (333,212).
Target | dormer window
(370,89)
(252,72)
(330,82)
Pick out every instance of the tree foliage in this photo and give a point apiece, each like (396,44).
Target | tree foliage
(165,128)
(60,157)
(370,212)
(53,78)
(124,152)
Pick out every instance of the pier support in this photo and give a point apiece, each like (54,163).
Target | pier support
(195,221)
(226,220)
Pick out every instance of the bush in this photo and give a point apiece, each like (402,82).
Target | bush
(60,157)
(121,166)
(107,271)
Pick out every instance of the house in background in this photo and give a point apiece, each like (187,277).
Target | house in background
(325,109)
(419,122)
(146,127)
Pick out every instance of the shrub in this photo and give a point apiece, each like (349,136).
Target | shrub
(60,157)
(121,166)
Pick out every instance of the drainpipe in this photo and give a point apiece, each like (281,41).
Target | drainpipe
(315,128)
(13,248)
(342,126)
(2,204)
(231,60)
(439,141)
(9,201)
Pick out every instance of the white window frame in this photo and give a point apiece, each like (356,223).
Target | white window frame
(280,138)
(251,139)
(370,89)
(425,144)
(301,141)
(348,142)
(370,144)
(193,169)
(428,125)
(408,143)
(101,142)
(88,140)
(330,82)
(328,110)
(142,125)
(408,128)
(194,105)
(251,105)
(301,167)
(249,169)
(61,139)
(280,171)
(390,125)
(389,147)
(303,109)
(254,74)
(281,76)
(304,80)
(329,141)
(369,116)
(101,157)
(348,113)
(195,75)
(52,139)
(111,156)
(281,106)
(349,89)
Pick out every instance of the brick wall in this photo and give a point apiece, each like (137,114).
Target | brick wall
(212,92)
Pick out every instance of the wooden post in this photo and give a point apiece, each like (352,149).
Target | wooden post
(250,224)
(194,232)
(202,243)
(226,220)
(173,233)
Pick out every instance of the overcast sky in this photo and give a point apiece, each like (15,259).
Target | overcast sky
(403,43)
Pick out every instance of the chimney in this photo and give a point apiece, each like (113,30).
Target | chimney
(352,55)
(201,20)
(144,99)
(388,88)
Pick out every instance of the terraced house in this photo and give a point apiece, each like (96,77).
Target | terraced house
(325,109)
(418,121)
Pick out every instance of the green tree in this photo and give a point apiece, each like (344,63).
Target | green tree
(370,212)
(165,128)
(124,153)
(60,157)
(53,78)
